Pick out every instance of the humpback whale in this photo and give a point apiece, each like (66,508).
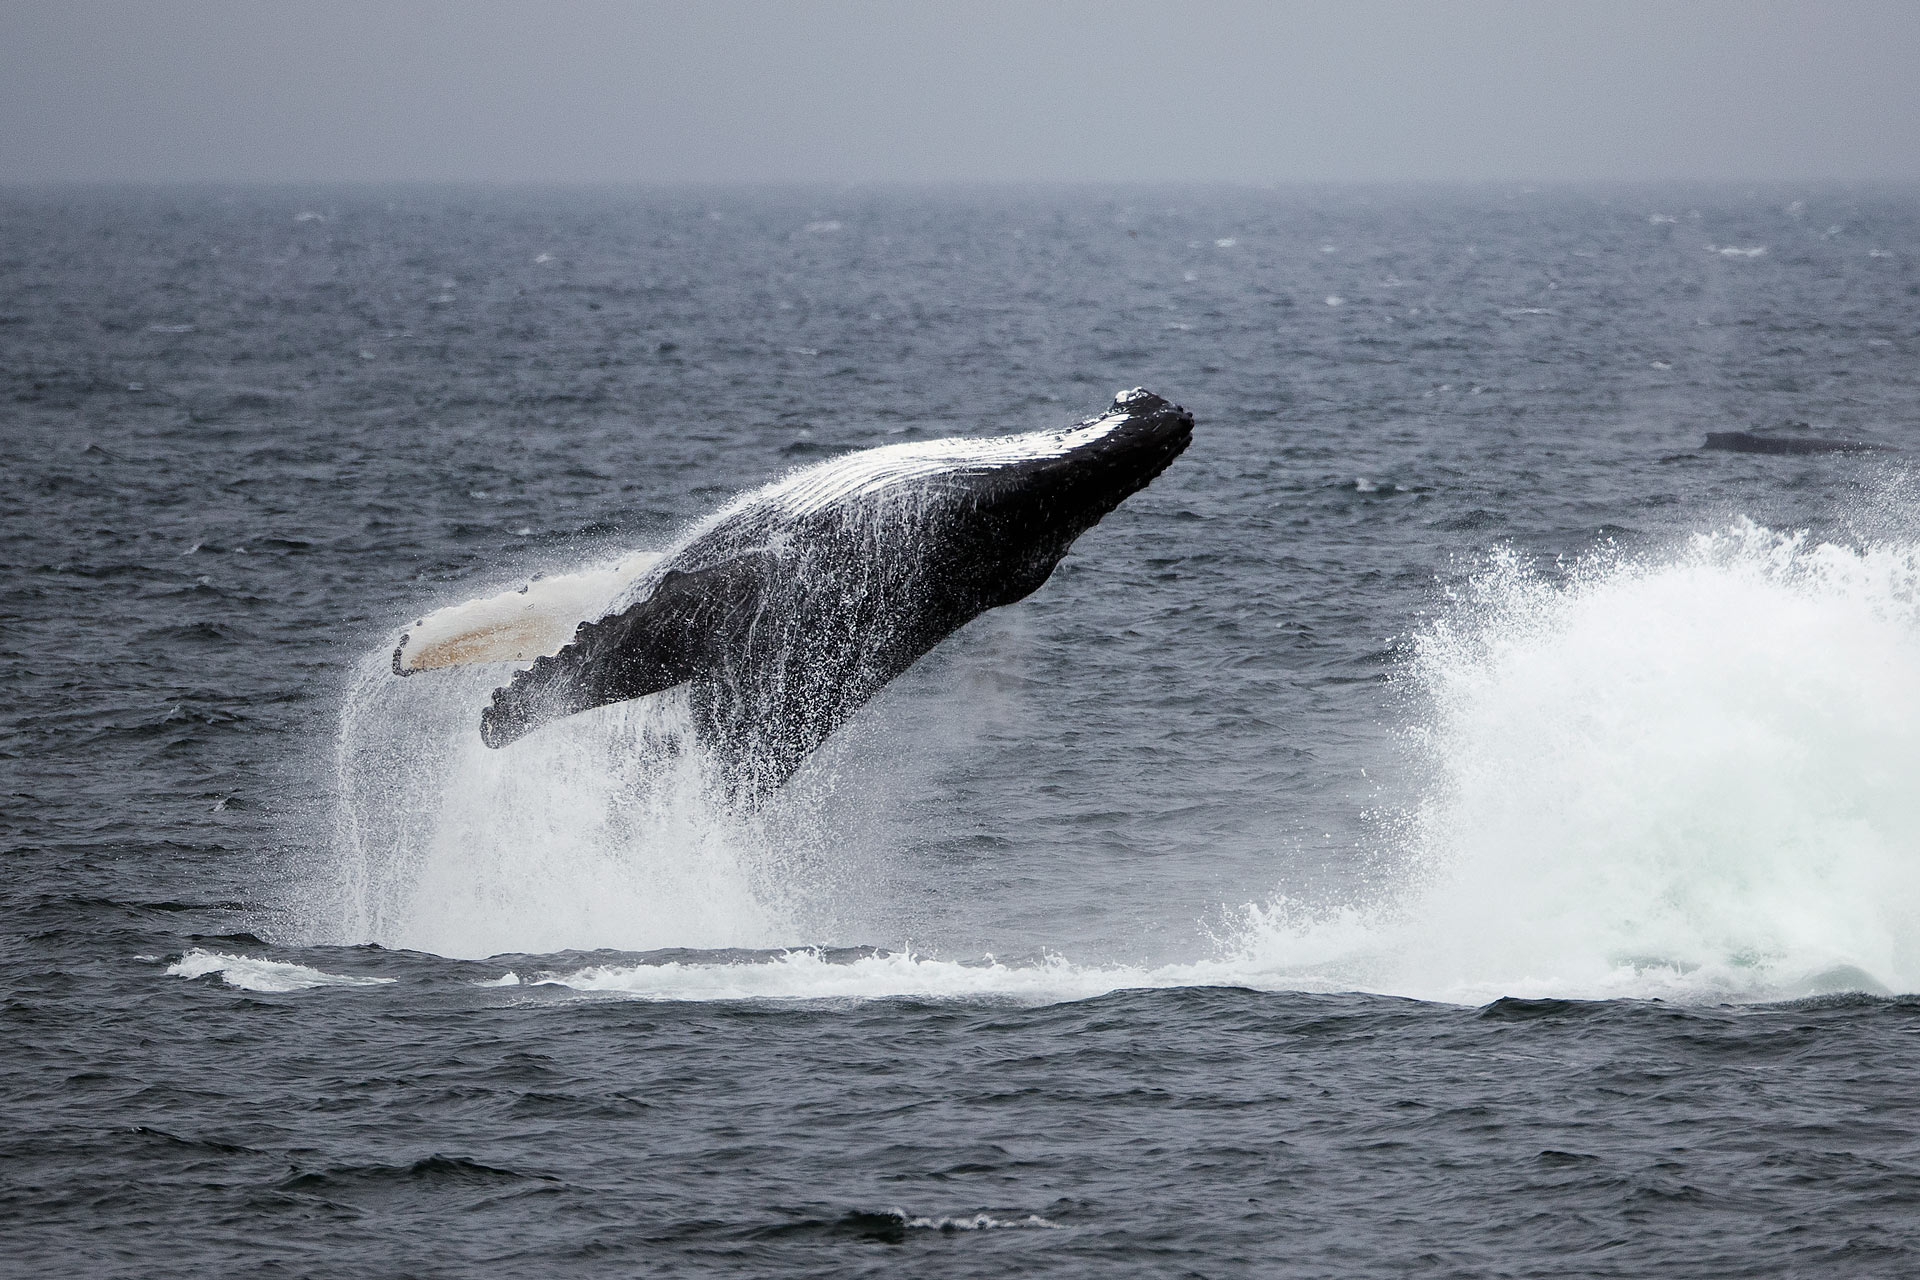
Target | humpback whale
(782,613)
(1754,442)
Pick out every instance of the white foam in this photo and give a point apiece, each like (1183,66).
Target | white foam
(978,1222)
(1690,778)
(807,974)
(250,973)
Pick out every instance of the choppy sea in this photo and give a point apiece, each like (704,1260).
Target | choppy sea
(1451,823)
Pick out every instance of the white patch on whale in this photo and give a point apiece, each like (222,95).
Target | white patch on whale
(527,622)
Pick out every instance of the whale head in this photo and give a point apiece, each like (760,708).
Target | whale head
(986,518)
(1075,476)
(1025,506)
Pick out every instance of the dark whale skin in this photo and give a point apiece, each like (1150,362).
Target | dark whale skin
(786,611)
(1753,442)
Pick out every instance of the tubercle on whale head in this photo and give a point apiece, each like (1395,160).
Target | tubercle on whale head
(1147,423)
(1153,424)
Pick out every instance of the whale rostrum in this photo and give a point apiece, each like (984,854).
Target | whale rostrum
(786,610)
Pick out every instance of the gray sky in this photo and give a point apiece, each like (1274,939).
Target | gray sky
(701,90)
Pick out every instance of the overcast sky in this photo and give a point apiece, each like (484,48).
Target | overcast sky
(247,90)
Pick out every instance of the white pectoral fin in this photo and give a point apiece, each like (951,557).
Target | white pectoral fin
(519,625)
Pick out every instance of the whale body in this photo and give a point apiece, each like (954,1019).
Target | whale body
(785,611)
(1754,442)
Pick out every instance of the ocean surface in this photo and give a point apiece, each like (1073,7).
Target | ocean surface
(1451,823)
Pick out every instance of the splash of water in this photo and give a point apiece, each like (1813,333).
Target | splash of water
(600,831)
(1694,777)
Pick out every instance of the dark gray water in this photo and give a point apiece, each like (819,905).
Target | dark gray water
(1450,823)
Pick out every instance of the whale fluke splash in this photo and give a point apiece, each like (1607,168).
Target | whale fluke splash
(786,610)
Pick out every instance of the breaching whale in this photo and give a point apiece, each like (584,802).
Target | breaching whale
(786,610)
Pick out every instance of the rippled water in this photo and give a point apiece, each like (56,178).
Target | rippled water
(1449,822)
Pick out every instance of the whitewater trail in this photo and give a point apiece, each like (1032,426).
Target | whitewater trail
(1693,776)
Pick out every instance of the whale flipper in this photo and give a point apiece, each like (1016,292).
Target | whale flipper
(669,637)
(533,619)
